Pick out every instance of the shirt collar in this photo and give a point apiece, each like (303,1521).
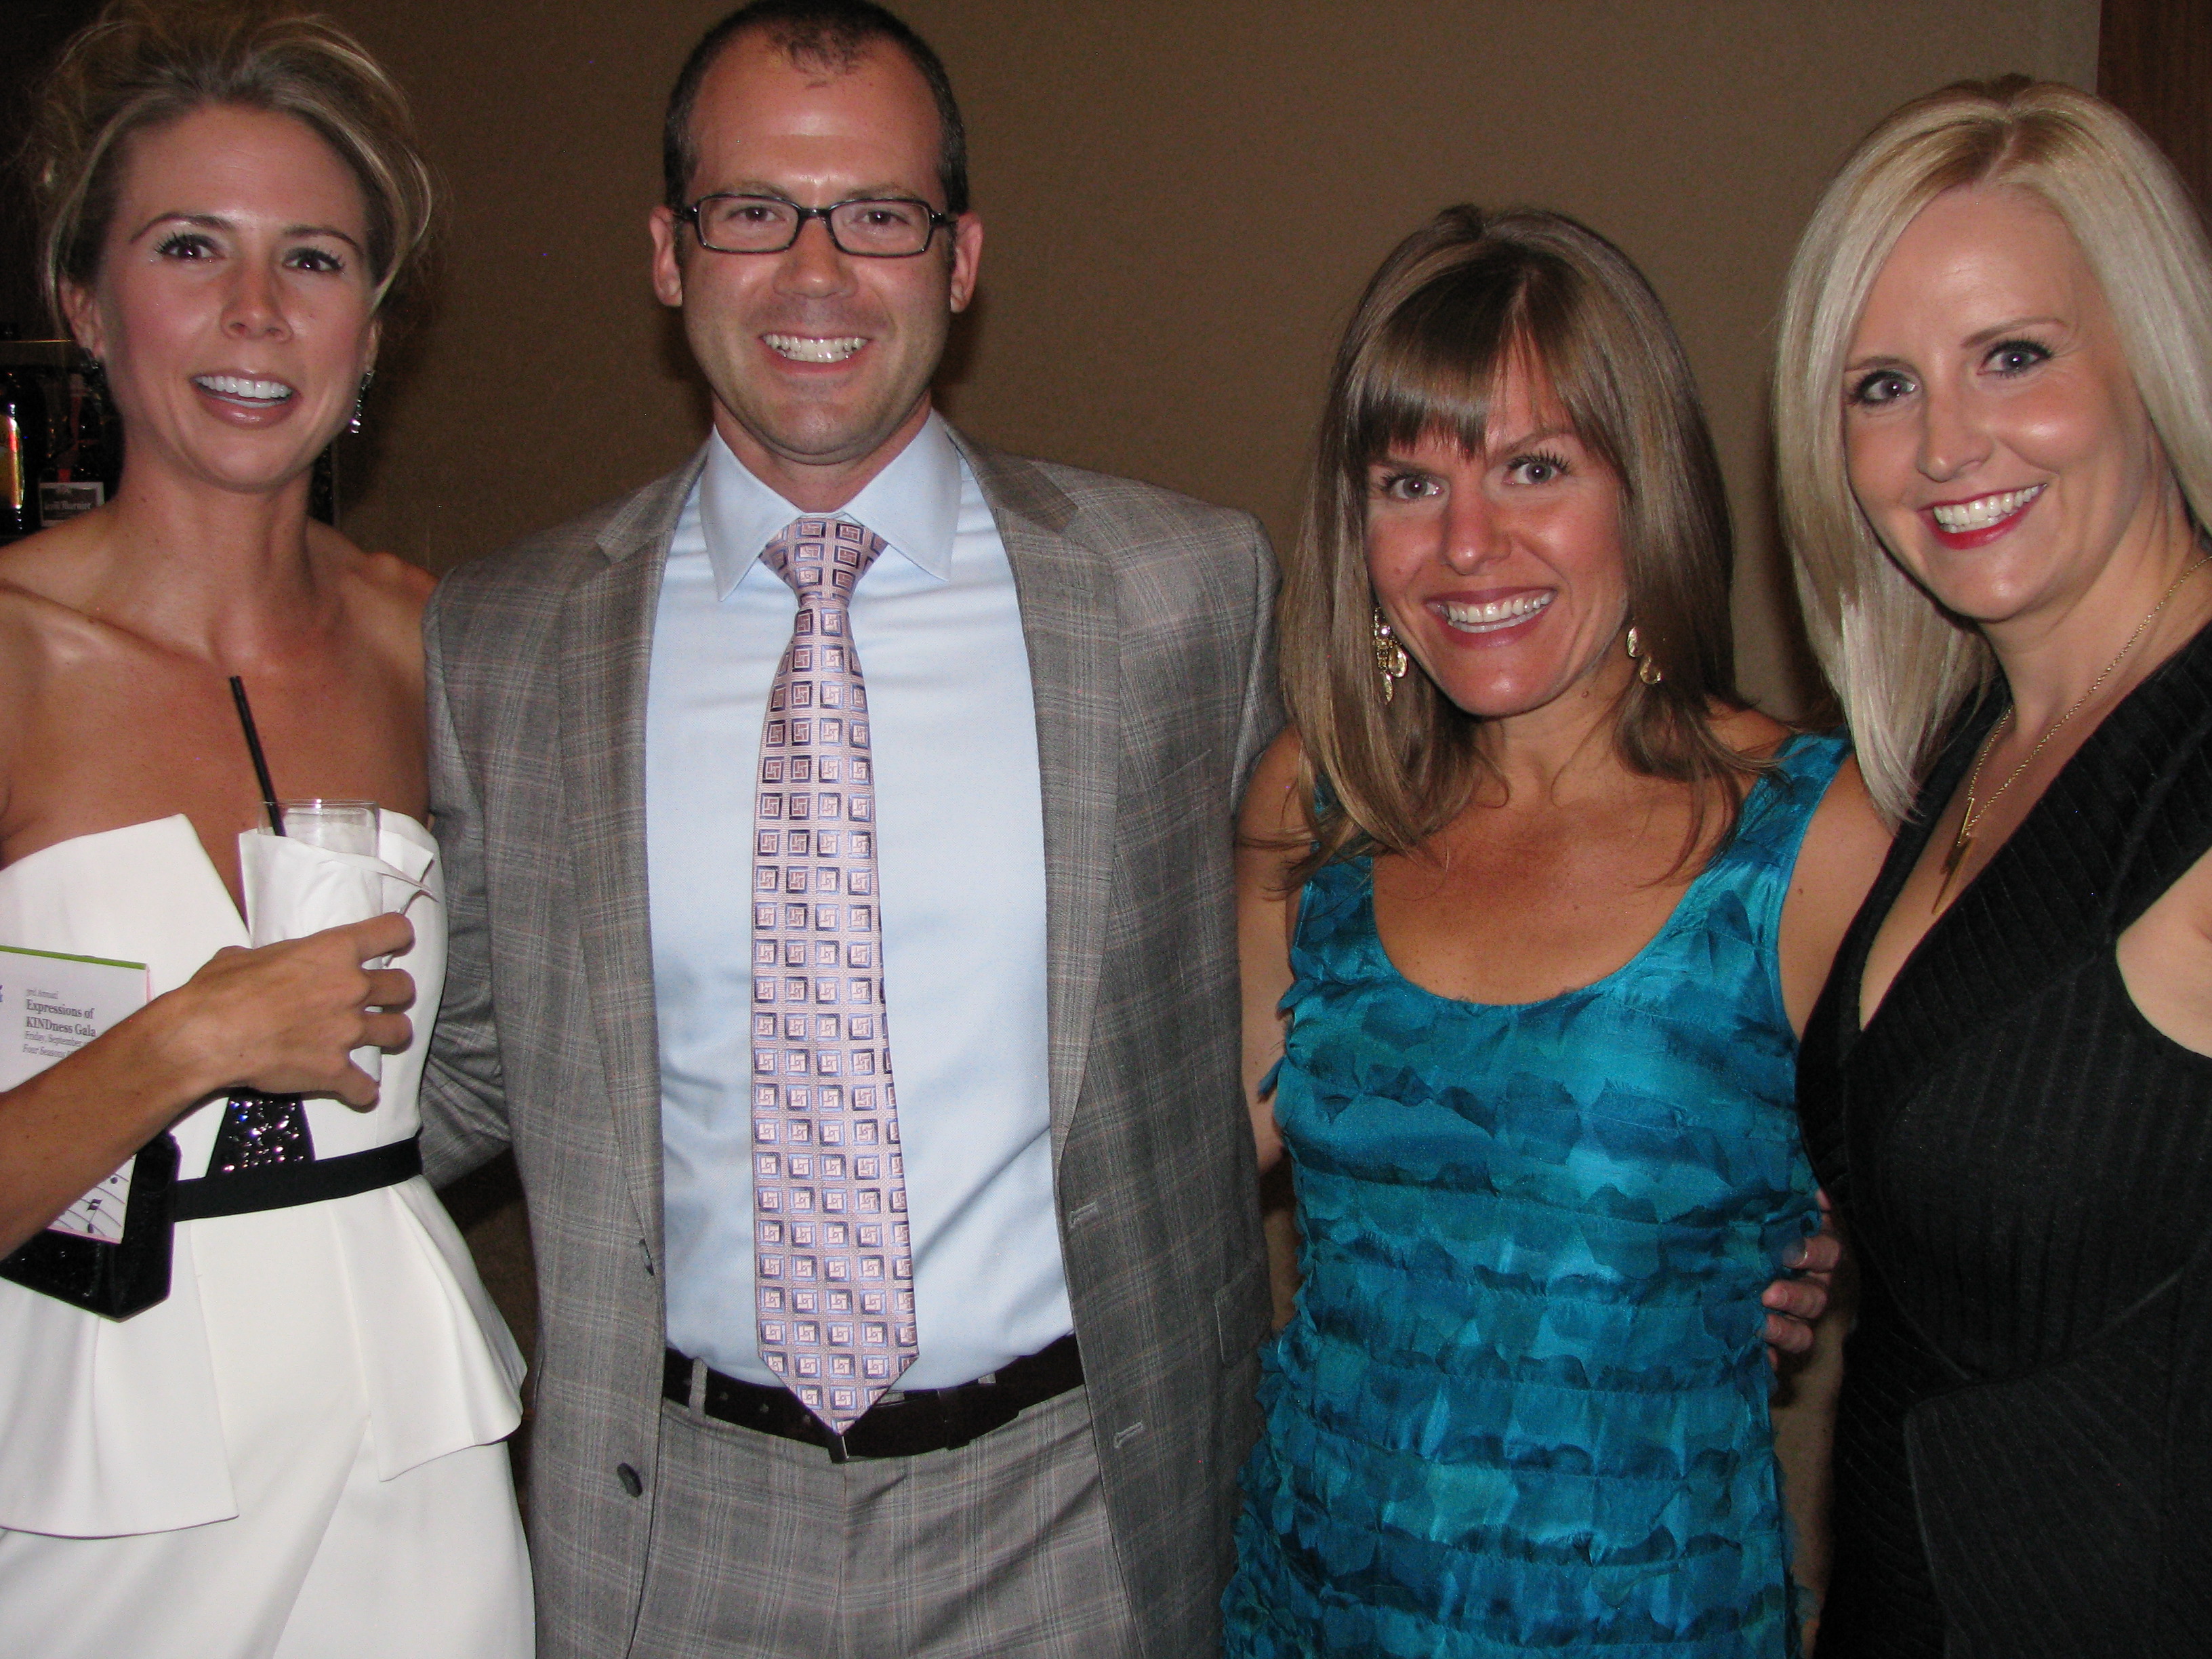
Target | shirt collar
(914,504)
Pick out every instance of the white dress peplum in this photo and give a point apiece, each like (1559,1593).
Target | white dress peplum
(313,1368)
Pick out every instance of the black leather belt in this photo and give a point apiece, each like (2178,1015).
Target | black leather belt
(280,1186)
(903,1424)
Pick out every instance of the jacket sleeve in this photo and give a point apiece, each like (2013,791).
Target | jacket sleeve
(1261,716)
(463,1089)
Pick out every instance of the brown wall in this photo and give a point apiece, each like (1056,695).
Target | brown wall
(1181,200)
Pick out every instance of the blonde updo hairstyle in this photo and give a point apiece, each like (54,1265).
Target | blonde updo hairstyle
(140,65)
(1463,302)
(1900,665)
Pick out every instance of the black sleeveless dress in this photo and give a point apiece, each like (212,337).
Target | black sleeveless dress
(2023,1460)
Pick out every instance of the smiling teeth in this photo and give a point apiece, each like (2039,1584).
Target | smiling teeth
(1494,613)
(1981,514)
(803,349)
(237,386)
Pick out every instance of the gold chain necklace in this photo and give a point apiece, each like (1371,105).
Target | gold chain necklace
(1972,818)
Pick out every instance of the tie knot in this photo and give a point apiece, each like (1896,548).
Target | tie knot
(823,559)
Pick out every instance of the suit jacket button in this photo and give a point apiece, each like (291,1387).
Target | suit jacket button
(628,1477)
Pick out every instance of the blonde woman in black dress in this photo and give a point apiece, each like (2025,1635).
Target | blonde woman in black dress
(1994,408)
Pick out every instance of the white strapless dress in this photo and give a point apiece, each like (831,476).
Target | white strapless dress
(298,1451)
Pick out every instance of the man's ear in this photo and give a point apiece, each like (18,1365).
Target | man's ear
(667,257)
(967,254)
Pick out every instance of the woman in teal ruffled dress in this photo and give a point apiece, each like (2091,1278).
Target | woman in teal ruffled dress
(1533,906)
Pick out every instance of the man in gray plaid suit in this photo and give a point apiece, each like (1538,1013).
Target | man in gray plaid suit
(1068,676)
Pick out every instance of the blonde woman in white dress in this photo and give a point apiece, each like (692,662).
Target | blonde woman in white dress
(296,1449)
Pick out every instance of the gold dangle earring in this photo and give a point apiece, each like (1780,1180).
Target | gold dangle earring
(1646,670)
(1389,657)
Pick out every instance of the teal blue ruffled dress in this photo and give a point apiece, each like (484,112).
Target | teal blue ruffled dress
(1522,1406)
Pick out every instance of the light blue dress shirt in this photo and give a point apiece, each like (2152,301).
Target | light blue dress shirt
(961,864)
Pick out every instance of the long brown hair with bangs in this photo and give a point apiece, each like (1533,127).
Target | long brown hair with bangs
(1461,302)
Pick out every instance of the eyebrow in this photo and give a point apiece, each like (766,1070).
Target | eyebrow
(215,221)
(1520,440)
(879,193)
(1990,335)
(1542,435)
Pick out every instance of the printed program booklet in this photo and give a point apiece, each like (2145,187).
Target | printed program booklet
(51,1005)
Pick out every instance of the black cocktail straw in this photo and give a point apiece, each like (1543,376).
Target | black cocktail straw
(260,760)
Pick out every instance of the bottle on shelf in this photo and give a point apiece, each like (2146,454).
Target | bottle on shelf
(81,471)
(22,451)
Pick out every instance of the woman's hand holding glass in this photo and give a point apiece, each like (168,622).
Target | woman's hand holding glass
(284,1019)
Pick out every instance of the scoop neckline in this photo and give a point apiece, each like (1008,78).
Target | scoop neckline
(1783,751)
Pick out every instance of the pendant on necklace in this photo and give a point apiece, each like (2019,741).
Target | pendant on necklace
(1951,860)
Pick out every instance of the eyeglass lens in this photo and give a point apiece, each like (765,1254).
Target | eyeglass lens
(767,224)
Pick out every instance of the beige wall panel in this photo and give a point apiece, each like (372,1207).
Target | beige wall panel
(1180,203)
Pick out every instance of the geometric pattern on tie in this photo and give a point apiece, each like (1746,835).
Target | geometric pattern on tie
(834,1259)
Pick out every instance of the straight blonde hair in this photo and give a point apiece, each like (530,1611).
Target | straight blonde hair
(1900,665)
(1459,304)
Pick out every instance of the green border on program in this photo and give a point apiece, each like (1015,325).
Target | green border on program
(64,956)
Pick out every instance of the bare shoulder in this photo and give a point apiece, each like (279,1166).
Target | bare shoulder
(46,582)
(51,574)
(380,578)
(2165,959)
(405,582)
(1841,855)
(1275,808)
(1846,842)
(384,593)
(28,622)
(394,592)
(1749,732)
(46,635)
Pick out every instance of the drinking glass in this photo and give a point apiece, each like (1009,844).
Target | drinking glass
(337,826)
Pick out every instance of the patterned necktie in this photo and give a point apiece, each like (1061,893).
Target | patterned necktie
(834,1264)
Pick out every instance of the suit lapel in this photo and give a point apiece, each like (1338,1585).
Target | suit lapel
(606,654)
(1069,618)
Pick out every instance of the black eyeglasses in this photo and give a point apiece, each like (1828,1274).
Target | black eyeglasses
(868,228)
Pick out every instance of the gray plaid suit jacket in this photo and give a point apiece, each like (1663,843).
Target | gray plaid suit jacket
(1146,617)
